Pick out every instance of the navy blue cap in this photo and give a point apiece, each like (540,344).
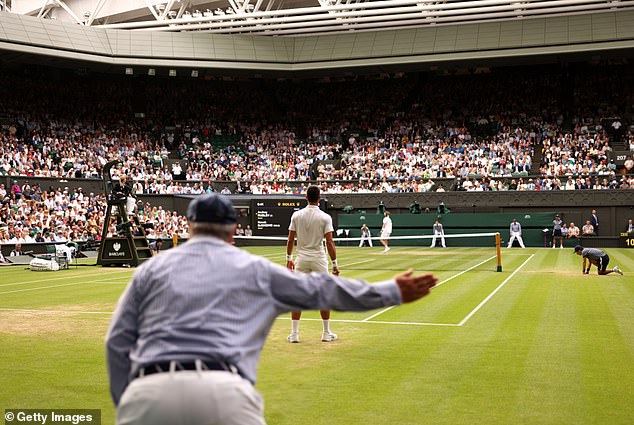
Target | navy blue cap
(578,248)
(211,208)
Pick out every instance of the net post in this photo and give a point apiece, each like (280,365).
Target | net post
(498,251)
(174,240)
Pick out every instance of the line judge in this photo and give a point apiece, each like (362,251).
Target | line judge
(185,339)
(515,232)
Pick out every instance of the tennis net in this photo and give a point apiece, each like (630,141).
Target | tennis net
(460,244)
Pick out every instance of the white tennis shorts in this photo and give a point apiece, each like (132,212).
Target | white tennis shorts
(307,265)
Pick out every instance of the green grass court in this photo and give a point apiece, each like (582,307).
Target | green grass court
(539,343)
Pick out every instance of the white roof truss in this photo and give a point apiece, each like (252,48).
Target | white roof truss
(298,17)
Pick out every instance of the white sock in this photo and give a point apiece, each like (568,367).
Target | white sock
(295,326)
(326,324)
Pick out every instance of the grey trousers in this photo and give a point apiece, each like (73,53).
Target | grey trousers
(191,398)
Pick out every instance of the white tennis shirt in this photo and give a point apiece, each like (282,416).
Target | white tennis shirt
(387,225)
(310,224)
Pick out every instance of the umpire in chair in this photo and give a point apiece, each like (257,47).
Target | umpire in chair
(185,339)
(123,191)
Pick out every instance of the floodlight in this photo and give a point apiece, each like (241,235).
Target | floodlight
(151,72)
(129,71)
(195,73)
(172,73)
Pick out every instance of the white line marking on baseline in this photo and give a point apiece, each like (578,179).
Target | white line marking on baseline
(484,301)
(63,278)
(377,322)
(437,285)
(56,286)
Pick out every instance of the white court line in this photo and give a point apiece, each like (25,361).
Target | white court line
(62,278)
(376,322)
(55,286)
(437,285)
(484,301)
(357,262)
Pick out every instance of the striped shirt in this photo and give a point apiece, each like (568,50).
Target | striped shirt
(209,300)
(592,254)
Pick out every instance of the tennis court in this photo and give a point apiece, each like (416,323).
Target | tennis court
(537,343)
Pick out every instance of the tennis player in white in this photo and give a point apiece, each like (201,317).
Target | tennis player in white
(311,225)
(386,231)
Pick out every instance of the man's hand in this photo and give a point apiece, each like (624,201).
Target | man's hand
(335,270)
(290,265)
(414,287)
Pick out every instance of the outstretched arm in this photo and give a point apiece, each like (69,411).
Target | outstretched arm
(323,291)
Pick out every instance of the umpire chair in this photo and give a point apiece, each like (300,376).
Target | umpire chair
(127,245)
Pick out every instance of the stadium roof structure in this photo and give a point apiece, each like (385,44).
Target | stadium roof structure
(298,17)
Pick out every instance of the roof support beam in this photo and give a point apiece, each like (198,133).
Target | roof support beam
(381,18)
(183,8)
(277,17)
(95,12)
(153,10)
(44,10)
(167,9)
(70,12)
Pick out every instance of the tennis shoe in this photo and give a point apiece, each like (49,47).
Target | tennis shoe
(293,337)
(328,337)
(617,270)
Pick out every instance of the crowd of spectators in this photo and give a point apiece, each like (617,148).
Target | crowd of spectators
(59,215)
(509,130)
(393,134)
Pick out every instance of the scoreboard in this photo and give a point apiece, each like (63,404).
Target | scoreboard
(271,217)
(626,240)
